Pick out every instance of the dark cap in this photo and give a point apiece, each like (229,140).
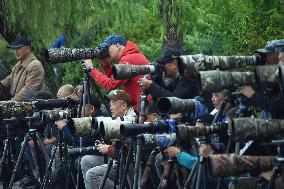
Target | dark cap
(280,46)
(269,47)
(19,43)
(118,95)
(169,55)
(113,39)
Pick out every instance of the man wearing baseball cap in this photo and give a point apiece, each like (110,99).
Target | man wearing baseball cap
(184,83)
(274,104)
(123,52)
(27,75)
(93,166)
(271,55)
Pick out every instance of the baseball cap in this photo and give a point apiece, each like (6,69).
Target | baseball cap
(113,39)
(118,95)
(19,43)
(279,46)
(269,47)
(169,54)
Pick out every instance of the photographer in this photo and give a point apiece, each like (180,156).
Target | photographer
(27,75)
(184,84)
(274,104)
(124,52)
(93,167)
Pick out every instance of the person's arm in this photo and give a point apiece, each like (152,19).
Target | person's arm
(268,104)
(183,158)
(49,141)
(186,160)
(185,89)
(107,82)
(7,81)
(34,80)
(107,68)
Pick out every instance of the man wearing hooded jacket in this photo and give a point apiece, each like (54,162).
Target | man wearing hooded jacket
(124,52)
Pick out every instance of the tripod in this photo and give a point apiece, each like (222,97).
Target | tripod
(197,170)
(61,145)
(138,164)
(9,152)
(279,166)
(32,133)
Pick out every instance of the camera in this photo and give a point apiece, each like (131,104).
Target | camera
(16,109)
(55,115)
(128,71)
(61,55)
(185,132)
(79,151)
(244,129)
(104,127)
(170,105)
(201,62)
(160,126)
(263,76)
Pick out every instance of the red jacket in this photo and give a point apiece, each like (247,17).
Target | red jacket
(131,55)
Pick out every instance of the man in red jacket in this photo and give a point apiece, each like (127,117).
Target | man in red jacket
(124,52)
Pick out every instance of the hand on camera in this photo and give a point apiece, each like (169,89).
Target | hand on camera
(88,64)
(247,91)
(205,150)
(103,148)
(145,83)
(172,151)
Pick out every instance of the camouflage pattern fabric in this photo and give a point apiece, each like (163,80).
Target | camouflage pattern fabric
(202,62)
(251,128)
(10,109)
(225,165)
(112,129)
(82,125)
(60,55)
(211,81)
(267,75)
(127,71)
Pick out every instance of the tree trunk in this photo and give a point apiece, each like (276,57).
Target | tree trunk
(173,37)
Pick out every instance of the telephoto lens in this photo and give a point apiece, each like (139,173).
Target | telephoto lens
(61,55)
(127,71)
(160,126)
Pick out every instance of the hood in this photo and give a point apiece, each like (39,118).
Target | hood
(130,48)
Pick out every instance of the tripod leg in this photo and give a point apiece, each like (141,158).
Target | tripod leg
(109,166)
(5,163)
(137,162)
(42,147)
(200,170)
(126,167)
(37,159)
(189,178)
(48,169)
(20,157)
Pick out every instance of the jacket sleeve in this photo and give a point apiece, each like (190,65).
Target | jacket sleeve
(7,81)
(268,104)
(34,80)
(107,69)
(184,89)
(105,81)
(186,160)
